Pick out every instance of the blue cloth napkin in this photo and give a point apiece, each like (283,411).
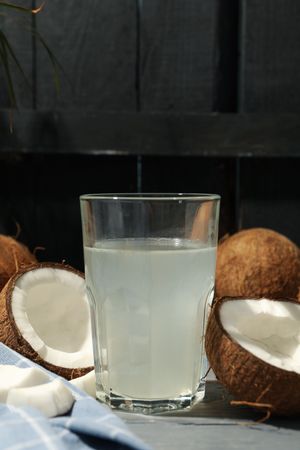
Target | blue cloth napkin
(89,424)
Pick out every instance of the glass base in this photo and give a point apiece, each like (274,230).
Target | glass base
(144,406)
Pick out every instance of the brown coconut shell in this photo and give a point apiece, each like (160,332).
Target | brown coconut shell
(13,256)
(248,378)
(10,334)
(257,262)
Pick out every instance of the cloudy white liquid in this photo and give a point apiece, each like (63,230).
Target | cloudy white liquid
(149,301)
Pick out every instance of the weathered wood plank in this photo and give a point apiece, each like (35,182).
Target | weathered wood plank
(270,57)
(270,195)
(177,55)
(41,194)
(96,44)
(215,425)
(227,56)
(207,434)
(191,174)
(83,132)
(14,25)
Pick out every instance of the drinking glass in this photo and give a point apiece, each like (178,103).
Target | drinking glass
(150,270)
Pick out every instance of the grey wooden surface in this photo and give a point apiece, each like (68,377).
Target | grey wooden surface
(214,424)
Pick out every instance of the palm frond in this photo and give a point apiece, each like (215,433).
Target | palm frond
(8,56)
(11,53)
(57,67)
(6,67)
(22,8)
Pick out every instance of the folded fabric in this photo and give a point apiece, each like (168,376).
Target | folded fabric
(88,425)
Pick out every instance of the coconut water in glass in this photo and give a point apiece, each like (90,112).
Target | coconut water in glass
(150,268)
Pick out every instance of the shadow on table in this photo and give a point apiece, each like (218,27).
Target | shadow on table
(216,404)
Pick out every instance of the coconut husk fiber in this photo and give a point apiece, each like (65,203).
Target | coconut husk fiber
(11,336)
(13,256)
(249,379)
(257,262)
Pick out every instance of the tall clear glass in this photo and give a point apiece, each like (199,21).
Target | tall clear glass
(150,269)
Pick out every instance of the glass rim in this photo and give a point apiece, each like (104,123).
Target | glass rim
(152,196)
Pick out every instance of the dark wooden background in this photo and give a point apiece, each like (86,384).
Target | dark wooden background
(169,95)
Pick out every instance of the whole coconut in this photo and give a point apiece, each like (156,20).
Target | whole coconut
(257,262)
(13,255)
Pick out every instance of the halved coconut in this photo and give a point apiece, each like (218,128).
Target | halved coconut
(253,346)
(44,315)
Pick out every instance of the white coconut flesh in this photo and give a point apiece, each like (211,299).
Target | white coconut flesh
(52,398)
(12,377)
(270,330)
(86,383)
(51,310)
(33,387)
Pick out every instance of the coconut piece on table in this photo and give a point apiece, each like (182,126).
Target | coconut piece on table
(257,262)
(52,399)
(86,383)
(45,316)
(31,386)
(253,347)
(12,377)
(13,255)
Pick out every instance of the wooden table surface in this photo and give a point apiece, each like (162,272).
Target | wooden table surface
(214,424)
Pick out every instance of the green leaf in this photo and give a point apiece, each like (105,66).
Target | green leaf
(56,65)
(7,54)
(11,52)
